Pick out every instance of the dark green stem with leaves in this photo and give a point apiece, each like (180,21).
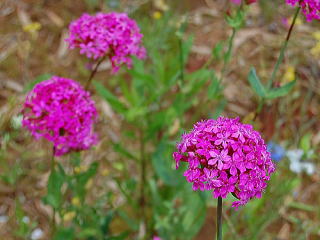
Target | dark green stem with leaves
(219,219)
(94,71)
(142,199)
(181,60)
(284,47)
(227,56)
(279,61)
(53,220)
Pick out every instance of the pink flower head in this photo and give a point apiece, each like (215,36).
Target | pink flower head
(310,8)
(61,111)
(226,156)
(114,35)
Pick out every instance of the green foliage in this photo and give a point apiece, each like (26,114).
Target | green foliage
(23,222)
(38,79)
(65,234)
(236,20)
(110,98)
(156,99)
(280,91)
(54,194)
(256,84)
(263,91)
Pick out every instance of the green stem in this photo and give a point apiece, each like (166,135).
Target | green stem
(94,71)
(53,220)
(181,60)
(228,54)
(284,47)
(142,179)
(219,219)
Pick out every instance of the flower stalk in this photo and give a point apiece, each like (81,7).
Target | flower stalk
(93,72)
(282,51)
(219,219)
(53,220)
(142,181)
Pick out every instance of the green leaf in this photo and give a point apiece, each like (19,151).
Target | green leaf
(65,234)
(214,88)
(236,20)
(256,83)
(305,142)
(122,150)
(54,195)
(219,109)
(194,218)
(106,221)
(162,162)
(217,50)
(39,79)
(186,48)
(302,206)
(83,178)
(110,98)
(280,91)
(121,236)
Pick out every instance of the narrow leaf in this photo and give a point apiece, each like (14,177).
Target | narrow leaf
(108,96)
(280,91)
(256,83)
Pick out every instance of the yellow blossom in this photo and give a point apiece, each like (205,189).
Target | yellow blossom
(89,184)
(32,27)
(105,172)
(157,15)
(249,117)
(289,75)
(316,35)
(68,216)
(75,201)
(315,51)
(80,169)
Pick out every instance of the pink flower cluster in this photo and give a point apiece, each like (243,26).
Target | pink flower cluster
(226,156)
(61,111)
(310,8)
(114,35)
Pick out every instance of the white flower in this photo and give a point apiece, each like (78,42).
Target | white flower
(3,219)
(298,166)
(36,234)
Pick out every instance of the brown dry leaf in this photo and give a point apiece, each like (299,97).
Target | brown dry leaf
(57,20)
(63,46)
(284,233)
(175,127)
(24,17)
(245,35)
(8,45)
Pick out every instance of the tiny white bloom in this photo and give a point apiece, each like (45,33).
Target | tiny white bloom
(36,234)
(3,219)
(26,219)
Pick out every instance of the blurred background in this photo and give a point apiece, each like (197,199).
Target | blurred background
(162,100)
